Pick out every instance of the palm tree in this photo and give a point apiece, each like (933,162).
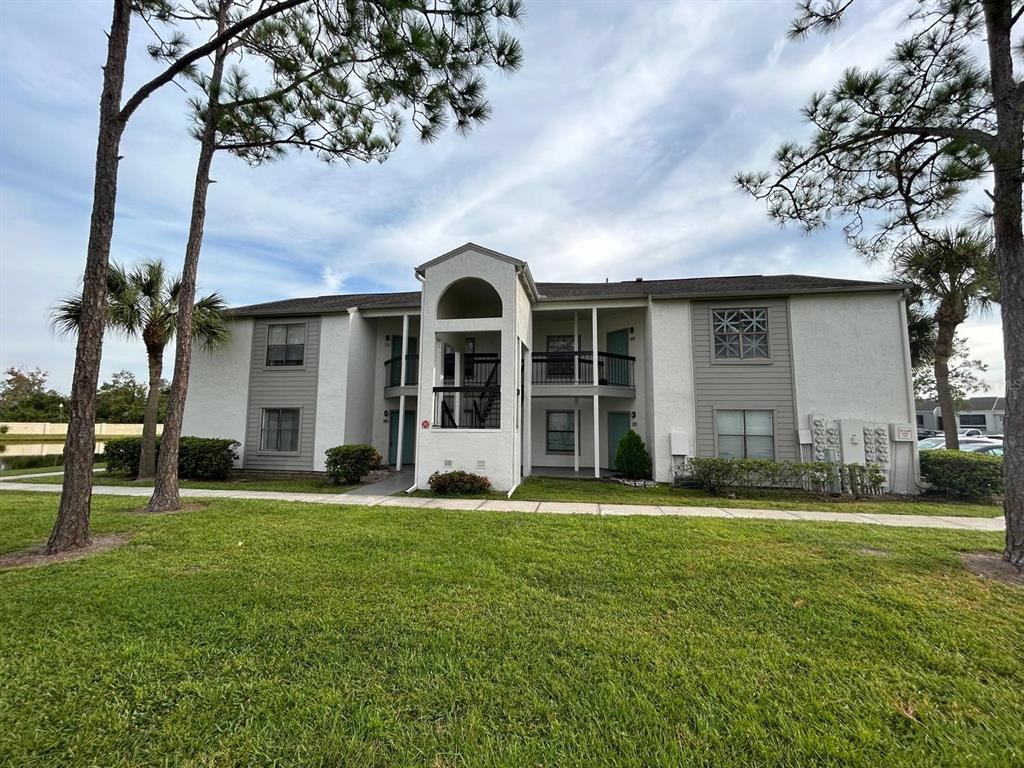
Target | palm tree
(955,272)
(143,302)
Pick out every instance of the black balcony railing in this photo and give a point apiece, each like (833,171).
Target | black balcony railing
(393,371)
(467,407)
(479,369)
(578,368)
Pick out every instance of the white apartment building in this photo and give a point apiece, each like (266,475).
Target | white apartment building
(488,371)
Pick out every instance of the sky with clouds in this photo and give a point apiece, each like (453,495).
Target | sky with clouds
(610,154)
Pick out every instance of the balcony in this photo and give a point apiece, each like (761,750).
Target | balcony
(467,407)
(393,371)
(480,369)
(577,368)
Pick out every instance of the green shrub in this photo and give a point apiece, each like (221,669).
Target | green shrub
(715,474)
(348,464)
(4,429)
(632,458)
(963,474)
(457,482)
(860,480)
(199,458)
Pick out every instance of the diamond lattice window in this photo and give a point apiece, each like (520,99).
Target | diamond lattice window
(740,334)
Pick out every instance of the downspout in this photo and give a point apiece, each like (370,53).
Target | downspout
(419,385)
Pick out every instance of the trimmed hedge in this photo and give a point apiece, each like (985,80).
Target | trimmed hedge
(632,458)
(963,474)
(458,482)
(348,464)
(715,474)
(199,458)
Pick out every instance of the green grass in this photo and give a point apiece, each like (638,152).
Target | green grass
(21,438)
(256,633)
(603,492)
(298,485)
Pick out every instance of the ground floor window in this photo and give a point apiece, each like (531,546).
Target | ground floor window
(561,431)
(280,429)
(745,434)
(920,419)
(973,420)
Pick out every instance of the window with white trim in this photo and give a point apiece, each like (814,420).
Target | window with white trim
(740,334)
(745,434)
(561,432)
(286,343)
(280,430)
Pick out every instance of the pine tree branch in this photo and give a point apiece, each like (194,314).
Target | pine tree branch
(193,56)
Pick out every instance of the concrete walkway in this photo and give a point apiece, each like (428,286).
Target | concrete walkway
(398,482)
(549,507)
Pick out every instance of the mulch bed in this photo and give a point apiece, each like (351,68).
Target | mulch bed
(990,565)
(35,556)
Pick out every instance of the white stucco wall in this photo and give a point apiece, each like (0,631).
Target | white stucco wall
(361,373)
(671,406)
(848,357)
(851,361)
(218,393)
(331,387)
(465,449)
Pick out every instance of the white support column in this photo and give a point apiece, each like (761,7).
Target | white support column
(576,346)
(597,434)
(527,428)
(405,347)
(458,383)
(401,431)
(401,398)
(575,434)
(593,346)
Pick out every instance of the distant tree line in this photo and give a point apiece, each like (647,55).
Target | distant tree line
(25,396)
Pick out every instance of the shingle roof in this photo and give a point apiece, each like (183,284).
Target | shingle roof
(984,403)
(694,287)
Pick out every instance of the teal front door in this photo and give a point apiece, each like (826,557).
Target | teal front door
(617,344)
(618,426)
(408,438)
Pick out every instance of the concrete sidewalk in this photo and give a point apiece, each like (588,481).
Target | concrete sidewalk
(550,507)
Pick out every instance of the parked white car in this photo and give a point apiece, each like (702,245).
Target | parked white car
(933,443)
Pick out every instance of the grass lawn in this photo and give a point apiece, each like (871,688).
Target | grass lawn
(38,470)
(571,489)
(597,491)
(257,633)
(298,485)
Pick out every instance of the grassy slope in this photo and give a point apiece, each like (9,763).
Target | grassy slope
(251,632)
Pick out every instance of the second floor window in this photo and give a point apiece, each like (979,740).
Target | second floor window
(740,334)
(286,343)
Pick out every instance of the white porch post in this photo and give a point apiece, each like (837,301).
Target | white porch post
(401,397)
(458,383)
(597,378)
(527,426)
(576,346)
(576,434)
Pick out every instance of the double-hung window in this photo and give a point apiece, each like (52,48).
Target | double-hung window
(286,344)
(280,430)
(745,434)
(740,334)
(561,432)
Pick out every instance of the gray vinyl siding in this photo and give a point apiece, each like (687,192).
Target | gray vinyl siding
(282,387)
(758,385)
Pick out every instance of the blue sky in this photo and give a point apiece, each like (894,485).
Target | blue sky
(609,155)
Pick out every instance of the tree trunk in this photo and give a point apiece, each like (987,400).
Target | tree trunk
(1007,190)
(943,350)
(71,529)
(165,492)
(147,457)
